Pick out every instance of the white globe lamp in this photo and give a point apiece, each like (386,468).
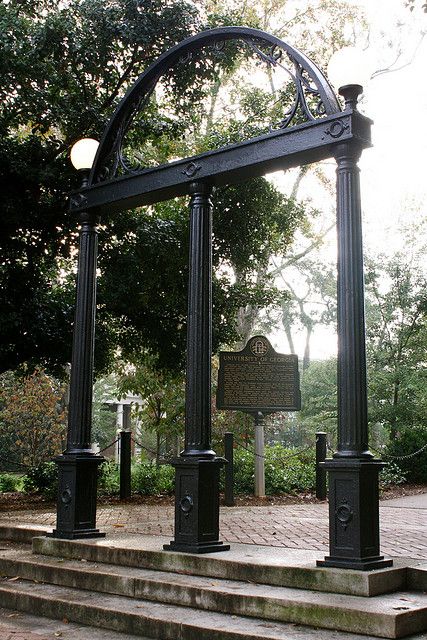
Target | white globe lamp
(83,153)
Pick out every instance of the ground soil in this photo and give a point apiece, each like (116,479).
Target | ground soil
(16,501)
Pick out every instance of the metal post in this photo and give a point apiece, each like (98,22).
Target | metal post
(320,471)
(125,464)
(76,507)
(197,470)
(259,455)
(229,469)
(353,473)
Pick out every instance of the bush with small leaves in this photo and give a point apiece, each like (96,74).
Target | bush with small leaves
(42,479)
(391,475)
(286,470)
(10,482)
(108,478)
(150,479)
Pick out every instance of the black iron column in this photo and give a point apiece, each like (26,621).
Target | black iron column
(78,465)
(197,470)
(353,473)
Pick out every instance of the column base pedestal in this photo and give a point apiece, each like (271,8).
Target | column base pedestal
(197,506)
(77,496)
(79,534)
(350,563)
(196,548)
(354,533)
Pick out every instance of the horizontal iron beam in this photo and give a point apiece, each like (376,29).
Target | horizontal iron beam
(302,144)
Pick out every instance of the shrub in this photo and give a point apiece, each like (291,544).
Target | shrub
(244,471)
(146,478)
(391,475)
(150,479)
(10,482)
(285,472)
(108,478)
(408,441)
(42,479)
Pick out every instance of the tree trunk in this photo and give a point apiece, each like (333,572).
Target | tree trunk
(286,322)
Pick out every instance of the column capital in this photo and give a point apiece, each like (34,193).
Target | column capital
(202,188)
(347,151)
(88,218)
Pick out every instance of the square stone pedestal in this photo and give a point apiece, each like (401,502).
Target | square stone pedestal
(354,537)
(197,506)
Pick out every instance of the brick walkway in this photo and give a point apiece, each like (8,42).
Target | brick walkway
(403,530)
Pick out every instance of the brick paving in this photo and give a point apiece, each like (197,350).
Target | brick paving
(403,530)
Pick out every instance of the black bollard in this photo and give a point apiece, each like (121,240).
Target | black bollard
(229,469)
(125,459)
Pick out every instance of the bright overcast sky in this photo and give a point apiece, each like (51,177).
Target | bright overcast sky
(394,171)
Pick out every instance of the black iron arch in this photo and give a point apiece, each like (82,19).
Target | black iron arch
(325,133)
(314,83)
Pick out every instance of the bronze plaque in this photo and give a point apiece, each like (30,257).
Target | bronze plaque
(258,379)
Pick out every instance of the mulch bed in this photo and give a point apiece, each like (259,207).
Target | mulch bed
(21,501)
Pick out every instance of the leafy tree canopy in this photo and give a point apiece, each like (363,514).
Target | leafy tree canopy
(63,68)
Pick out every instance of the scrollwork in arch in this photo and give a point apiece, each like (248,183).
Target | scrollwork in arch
(306,96)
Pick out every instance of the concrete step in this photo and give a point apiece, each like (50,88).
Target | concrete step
(25,626)
(154,620)
(248,563)
(389,616)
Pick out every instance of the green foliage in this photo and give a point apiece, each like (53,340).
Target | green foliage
(163,392)
(42,479)
(319,397)
(397,338)
(253,221)
(108,478)
(10,482)
(285,472)
(104,427)
(408,441)
(63,68)
(146,478)
(391,475)
(151,479)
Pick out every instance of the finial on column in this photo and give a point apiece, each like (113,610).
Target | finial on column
(350,93)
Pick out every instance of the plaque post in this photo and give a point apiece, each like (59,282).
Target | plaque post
(197,470)
(353,473)
(259,455)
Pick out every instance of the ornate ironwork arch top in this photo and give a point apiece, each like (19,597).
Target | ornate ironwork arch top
(133,101)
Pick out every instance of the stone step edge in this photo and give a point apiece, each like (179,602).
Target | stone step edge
(22,532)
(163,621)
(344,581)
(329,611)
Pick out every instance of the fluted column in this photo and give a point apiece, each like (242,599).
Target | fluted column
(81,380)
(354,535)
(78,465)
(352,389)
(199,327)
(197,469)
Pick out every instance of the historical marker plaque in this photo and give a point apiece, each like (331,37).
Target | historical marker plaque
(258,379)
